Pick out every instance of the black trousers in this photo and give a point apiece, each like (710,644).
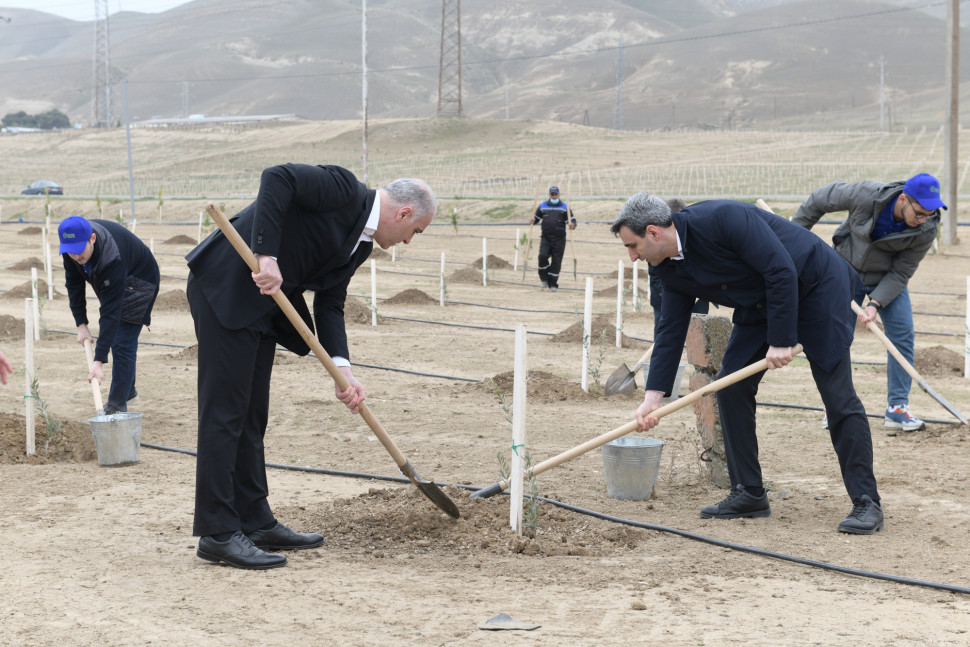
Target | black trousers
(235,367)
(848,425)
(550,259)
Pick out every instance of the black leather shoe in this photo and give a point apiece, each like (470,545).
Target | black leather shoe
(738,504)
(865,519)
(280,537)
(238,551)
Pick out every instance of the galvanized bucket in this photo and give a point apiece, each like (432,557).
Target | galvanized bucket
(675,391)
(117,438)
(631,466)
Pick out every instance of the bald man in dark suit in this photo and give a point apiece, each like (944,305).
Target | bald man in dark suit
(310,227)
(785,288)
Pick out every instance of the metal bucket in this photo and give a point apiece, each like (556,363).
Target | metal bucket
(675,391)
(117,438)
(631,466)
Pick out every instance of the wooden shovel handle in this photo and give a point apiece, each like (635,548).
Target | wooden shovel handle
(665,410)
(95,385)
(646,355)
(284,303)
(875,330)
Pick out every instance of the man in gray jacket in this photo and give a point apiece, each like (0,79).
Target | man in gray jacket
(888,231)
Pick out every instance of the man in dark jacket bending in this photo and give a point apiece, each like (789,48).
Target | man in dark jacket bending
(786,287)
(125,278)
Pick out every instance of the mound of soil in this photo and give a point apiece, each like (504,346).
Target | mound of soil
(30,231)
(643,272)
(939,361)
(540,387)
(25,291)
(189,352)
(411,296)
(599,324)
(494,263)
(181,239)
(358,312)
(28,263)
(378,254)
(11,328)
(172,301)
(73,444)
(466,275)
(389,523)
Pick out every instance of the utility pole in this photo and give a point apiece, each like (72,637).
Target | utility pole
(618,108)
(101,106)
(952,132)
(449,69)
(363,83)
(882,93)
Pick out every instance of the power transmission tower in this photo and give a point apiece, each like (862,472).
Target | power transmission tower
(618,108)
(101,105)
(449,71)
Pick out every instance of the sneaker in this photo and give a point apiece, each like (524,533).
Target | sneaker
(133,397)
(865,519)
(825,421)
(553,288)
(899,417)
(544,284)
(738,504)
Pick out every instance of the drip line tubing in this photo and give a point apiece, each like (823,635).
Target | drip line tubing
(629,522)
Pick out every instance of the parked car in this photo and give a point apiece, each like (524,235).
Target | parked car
(41,187)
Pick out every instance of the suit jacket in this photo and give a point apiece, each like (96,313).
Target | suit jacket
(310,218)
(767,269)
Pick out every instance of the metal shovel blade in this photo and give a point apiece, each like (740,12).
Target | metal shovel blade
(431,491)
(622,380)
(939,398)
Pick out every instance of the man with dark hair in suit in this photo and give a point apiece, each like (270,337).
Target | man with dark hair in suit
(785,288)
(310,228)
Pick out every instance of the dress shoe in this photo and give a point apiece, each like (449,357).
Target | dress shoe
(280,537)
(865,519)
(738,504)
(238,551)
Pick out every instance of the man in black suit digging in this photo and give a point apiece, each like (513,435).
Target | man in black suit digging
(310,227)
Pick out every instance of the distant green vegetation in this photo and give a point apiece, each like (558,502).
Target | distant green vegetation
(501,212)
(46,120)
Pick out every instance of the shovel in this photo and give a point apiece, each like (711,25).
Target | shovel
(428,488)
(629,427)
(95,385)
(535,202)
(871,325)
(624,380)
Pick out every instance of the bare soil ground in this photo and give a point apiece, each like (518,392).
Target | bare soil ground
(104,556)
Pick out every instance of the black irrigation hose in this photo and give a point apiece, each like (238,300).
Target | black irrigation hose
(629,522)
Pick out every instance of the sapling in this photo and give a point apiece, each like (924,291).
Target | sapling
(54,426)
(593,370)
(530,511)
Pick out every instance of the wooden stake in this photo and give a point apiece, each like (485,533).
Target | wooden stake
(29,373)
(515,259)
(619,304)
(519,397)
(36,301)
(636,272)
(373,292)
(201,216)
(394,254)
(484,261)
(587,330)
(441,295)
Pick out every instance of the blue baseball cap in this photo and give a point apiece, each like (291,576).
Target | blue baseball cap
(925,189)
(553,189)
(74,232)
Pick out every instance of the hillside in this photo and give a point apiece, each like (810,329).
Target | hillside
(712,63)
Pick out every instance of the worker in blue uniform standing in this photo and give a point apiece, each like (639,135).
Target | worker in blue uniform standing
(555,216)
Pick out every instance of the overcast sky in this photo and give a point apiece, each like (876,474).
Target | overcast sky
(84,9)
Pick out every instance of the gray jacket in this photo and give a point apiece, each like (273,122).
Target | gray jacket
(887,263)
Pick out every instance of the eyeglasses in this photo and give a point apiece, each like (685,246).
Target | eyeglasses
(919,214)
